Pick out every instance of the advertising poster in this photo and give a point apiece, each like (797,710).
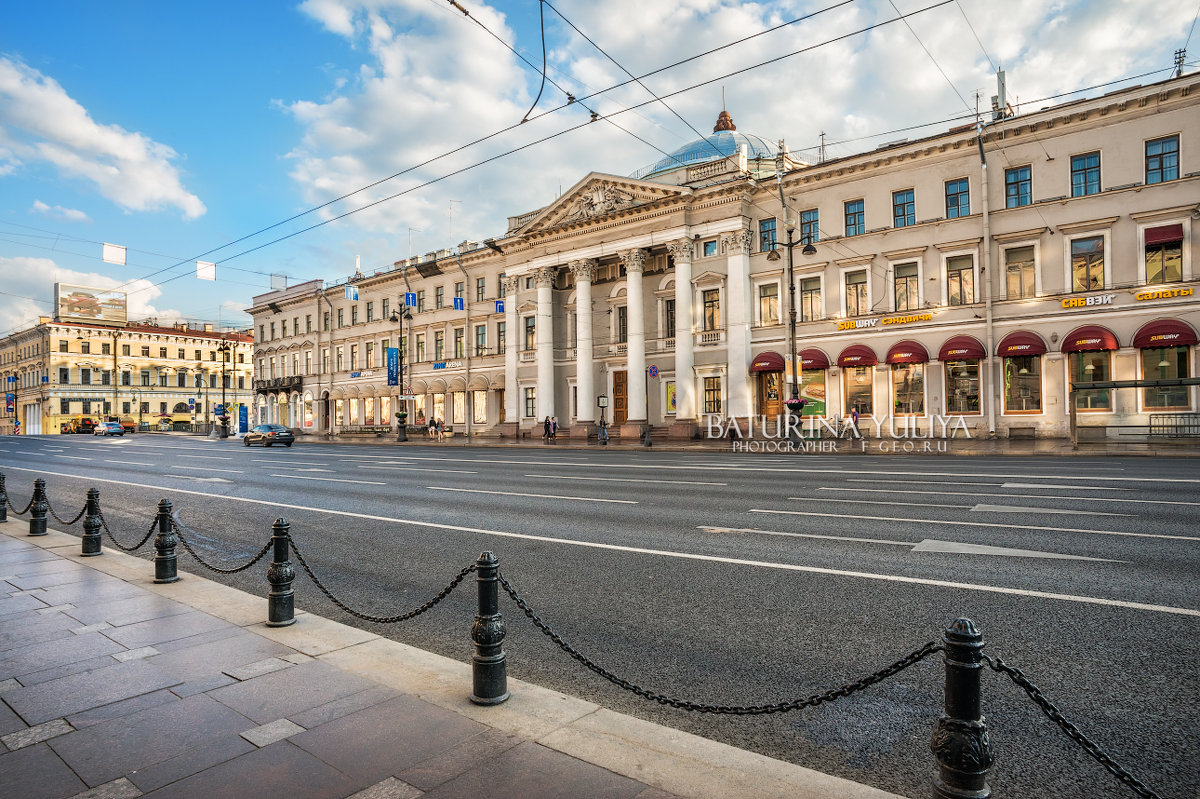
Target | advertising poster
(83,304)
(812,389)
(671,397)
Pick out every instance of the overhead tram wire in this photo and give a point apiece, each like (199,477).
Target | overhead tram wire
(542,28)
(967,19)
(931,58)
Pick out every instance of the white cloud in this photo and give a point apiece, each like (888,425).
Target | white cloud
(41,124)
(59,212)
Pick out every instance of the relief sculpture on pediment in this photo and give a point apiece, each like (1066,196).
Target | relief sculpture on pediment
(598,199)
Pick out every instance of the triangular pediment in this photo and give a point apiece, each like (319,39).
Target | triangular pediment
(597,196)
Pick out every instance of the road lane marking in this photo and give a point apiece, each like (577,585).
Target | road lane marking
(208,457)
(222,470)
(200,479)
(418,469)
(983,508)
(996,484)
(626,480)
(73,457)
(977,524)
(973,508)
(1047,485)
(995,589)
(806,535)
(539,496)
(1012,496)
(876,502)
(329,479)
(129,463)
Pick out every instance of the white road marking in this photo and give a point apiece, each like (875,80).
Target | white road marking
(996,484)
(302,468)
(418,469)
(1013,496)
(201,479)
(329,479)
(1047,485)
(978,524)
(222,470)
(994,508)
(208,457)
(806,535)
(1033,509)
(875,502)
(72,457)
(539,496)
(995,589)
(626,480)
(129,463)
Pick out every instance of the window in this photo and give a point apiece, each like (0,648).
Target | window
(480,289)
(530,336)
(370,312)
(125,407)
(64,406)
(960,280)
(1018,188)
(1166,363)
(479,407)
(766,235)
(354,314)
(262,332)
(283,328)
(420,300)
(460,290)
(1162,159)
(810,299)
(1023,384)
(481,339)
(1091,367)
(341,320)
(145,377)
(162,379)
(500,291)
(64,375)
(856,293)
(712,309)
(712,395)
(420,347)
(904,208)
(85,377)
(669,318)
(709,248)
(500,335)
(622,324)
(908,389)
(124,350)
(854,218)
(62,346)
(530,401)
(810,226)
(906,287)
(181,380)
(439,297)
(339,360)
(768,304)
(958,198)
(325,321)
(1085,174)
(1087,264)
(460,342)
(370,354)
(857,391)
(106,349)
(962,387)
(181,353)
(1164,254)
(529,282)
(439,344)
(295,325)
(126,379)
(1019,272)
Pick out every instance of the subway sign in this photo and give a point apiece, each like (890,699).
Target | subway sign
(1084,302)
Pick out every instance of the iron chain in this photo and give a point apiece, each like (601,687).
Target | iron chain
(13,507)
(179,532)
(79,516)
(121,546)
(734,710)
(1072,732)
(445,592)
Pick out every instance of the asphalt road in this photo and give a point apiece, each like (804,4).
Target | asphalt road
(736,580)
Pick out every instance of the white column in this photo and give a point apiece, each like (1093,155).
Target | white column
(512,402)
(584,271)
(544,278)
(684,333)
(635,261)
(736,247)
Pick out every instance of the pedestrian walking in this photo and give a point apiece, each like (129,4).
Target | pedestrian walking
(854,422)
(546,430)
(602,436)
(553,428)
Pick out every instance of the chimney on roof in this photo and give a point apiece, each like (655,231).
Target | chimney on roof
(207,327)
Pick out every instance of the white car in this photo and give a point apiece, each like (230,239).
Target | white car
(109,429)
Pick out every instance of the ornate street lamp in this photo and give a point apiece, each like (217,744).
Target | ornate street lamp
(402,414)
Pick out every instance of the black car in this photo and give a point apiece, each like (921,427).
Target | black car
(268,434)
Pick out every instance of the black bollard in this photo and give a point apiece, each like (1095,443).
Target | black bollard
(3,501)
(164,545)
(37,515)
(489,674)
(91,525)
(960,739)
(280,574)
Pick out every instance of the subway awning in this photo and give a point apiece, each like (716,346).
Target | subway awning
(1021,342)
(857,355)
(961,348)
(767,362)
(1090,338)
(907,352)
(1165,333)
(813,359)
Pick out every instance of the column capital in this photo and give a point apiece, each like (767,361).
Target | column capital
(511,283)
(545,276)
(633,260)
(681,250)
(738,242)
(584,269)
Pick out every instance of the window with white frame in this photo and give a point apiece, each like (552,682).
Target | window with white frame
(1163,248)
(856,293)
(1162,159)
(906,286)
(1020,272)
(621,324)
(960,280)
(711,302)
(1087,263)
(768,304)
(810,299)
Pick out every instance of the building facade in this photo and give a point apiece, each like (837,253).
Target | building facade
(977,273)
(59,372)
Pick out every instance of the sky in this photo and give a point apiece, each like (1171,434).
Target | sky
(290,138)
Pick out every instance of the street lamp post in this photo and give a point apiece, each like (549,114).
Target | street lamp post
(402,423)
(224,348)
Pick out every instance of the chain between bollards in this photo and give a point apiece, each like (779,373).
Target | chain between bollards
(38,508)
(3,500)
(489,675)
(91,525)
(280,574)
(960,738)
(164,545)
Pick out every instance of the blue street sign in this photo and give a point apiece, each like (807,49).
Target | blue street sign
(220,410)
(652,370)
(499,306)
(243,419)
(352,293)
(12,378)
(393,366)
(10,403)
(460,304)
(191,403)
(410,299)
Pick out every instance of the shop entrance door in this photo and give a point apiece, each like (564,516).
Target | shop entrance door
(770,394)
(620,397)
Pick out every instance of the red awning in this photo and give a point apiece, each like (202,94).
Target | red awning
(857,355)
(1090,338)
(961,348)
(1161,235)
(1022,342)
(1165,333)
(907,352)
(767,362)
(813,359)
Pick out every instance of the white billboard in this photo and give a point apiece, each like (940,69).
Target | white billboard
(83,304)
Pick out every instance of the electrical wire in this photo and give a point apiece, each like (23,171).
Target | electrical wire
(976,35)
(931,58)
(542,29)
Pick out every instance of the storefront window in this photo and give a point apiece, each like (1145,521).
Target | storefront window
(439,407)
(369,410)
(353,411)
(712,395)
(385,410)
(908,389)
(1166,363)
(339,412)
(962,387)
(812,390)
(858,390)
(308,410)
(460,407)
(419,408)
(479,407)
(1023,384)
(1091,367)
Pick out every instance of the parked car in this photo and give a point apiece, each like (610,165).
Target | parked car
(268,434)
(109,429)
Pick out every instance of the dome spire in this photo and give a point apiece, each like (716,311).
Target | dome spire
(724,122)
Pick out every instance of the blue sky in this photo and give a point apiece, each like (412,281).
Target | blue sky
(175,129)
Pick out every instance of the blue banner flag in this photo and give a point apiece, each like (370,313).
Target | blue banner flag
(393,366)
(460,304)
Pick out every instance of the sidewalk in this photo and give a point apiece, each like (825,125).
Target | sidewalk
(113,687)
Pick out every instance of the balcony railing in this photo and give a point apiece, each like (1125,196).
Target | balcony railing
(279,383)
(528,356)
(708,338)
